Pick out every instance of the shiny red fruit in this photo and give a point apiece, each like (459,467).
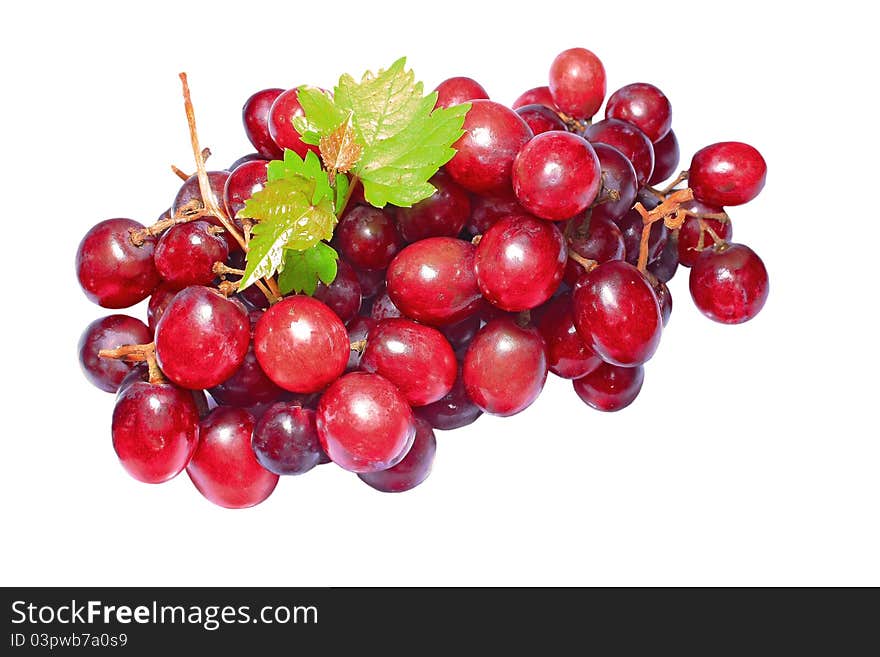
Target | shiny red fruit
(619,183)
(689,246)
(255,115)
(567,354)
(186,254)
(244,181)
(112,271)
(343,295)
(729,284)
(286,440)
(413,469)
(727,173)
(433,281)
(556,175)
(109,333)
(519,262)
(286,108)
(666,158)
(454,411)
(505,367)
(609,387)
(364,423)
(643,105)
(535,96)
(301,344)
(484,156)
(155,430)
(456,91)
(594,238)
(577,82)
(367,237)
(629,140)
(414,357)
(202,338)
(617,314)
(224,468)
(540,118)
(443,214)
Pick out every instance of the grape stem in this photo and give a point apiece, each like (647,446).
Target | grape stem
(137,353)
(680,178)
(351,185)
(669,211)
(586,263)
(358,346)
(220,268)
(189,212)
(180,174)
(211,207)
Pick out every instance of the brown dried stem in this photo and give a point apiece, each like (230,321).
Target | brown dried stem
(669,211)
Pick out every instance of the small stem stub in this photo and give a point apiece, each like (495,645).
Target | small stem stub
(130,353)
(222,269)
(359,346)
(680,178)
(669,211)
(586,263)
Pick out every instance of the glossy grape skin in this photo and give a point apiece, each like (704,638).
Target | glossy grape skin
(689,233)
(461,333)
(454,411)
(567,354)
(631,228)
(286,108)
(202,338)
(484,156)
(666,158)
(618,175)
(505,367)
(109,333)
(301,344)
(643,105)
(629,140)
(535,96)
(519,262)
(367,237)
(364,423)
(113,272)
(486,210)
(186,254)
(190,191)
(577,82)
(343,295)
(729,284)
(159,301)
(413,469)
(414,357)
(556,175)
(383,308)
(458,90)
(358,329)
(609,387)
(663,268)
(224,468)
(244,182)
(727,173)
(443,214)
(255,115)
(285,439)
(594,238)
(540,118)
(432,281)
(155,430)
(244,159)
(617,314)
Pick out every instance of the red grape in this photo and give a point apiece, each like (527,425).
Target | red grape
(629,140)
(244,181)
(224,468)
(301,344)
(567,354)
(484,156)
(535,96)
(556,175)
(519,262)
(594,238)
(444,214)
(364,423)
(413,469)
(610,387)
(540,118)
(186,254)
(255,115)
(285,439)
(343,295)
(284,109)
(456,91)
(577,82)
(505,367)
(643,105)
(727,173)
(367,237)
(155,430)
(729,283)
(109,333)
(112,271)
(666,157)
(617,314)
(689,247)
(618,177)
(415,358)
(433,281)
(202,338)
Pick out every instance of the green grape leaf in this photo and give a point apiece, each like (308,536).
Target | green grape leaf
(303,269)
(322,115)
(310,168)
(401,140)
(292,212)
(342,185)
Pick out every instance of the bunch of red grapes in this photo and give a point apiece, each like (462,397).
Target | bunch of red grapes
(546,248)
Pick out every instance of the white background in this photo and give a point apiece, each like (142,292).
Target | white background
(751,456)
